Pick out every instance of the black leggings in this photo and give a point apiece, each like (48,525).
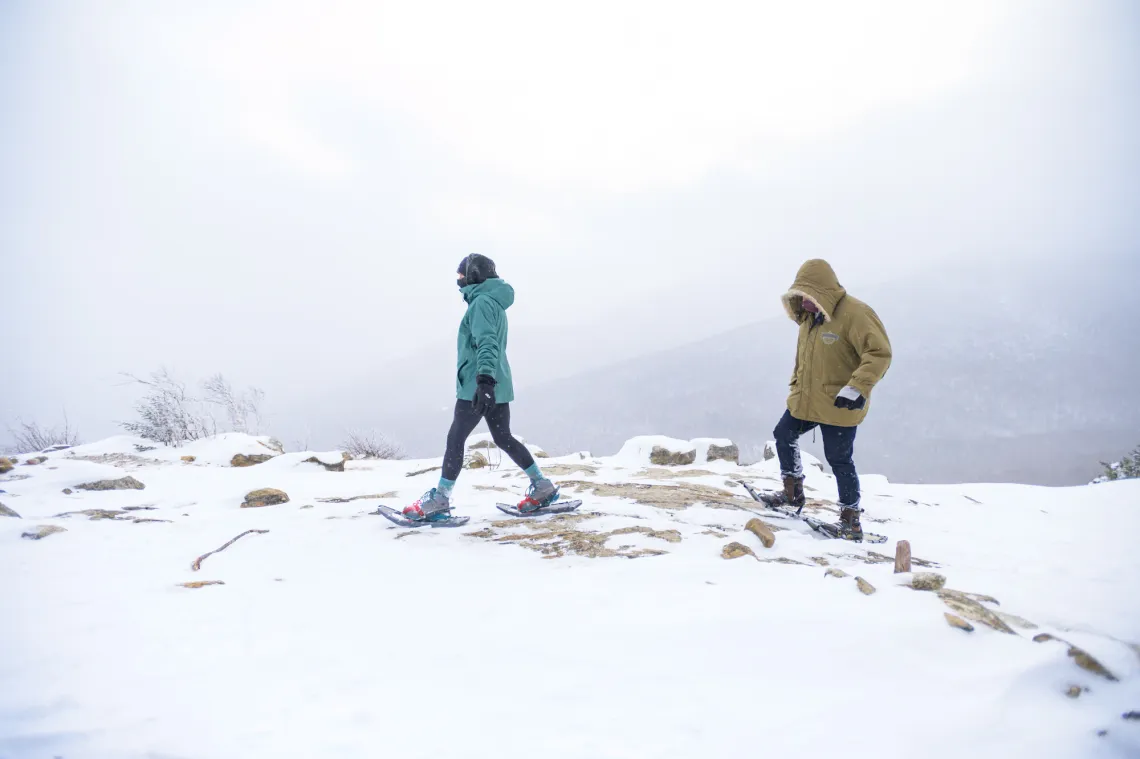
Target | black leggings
(466,420)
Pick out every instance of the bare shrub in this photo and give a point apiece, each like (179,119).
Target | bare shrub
(242,410)
(29,437)
(167,413)
(372,445)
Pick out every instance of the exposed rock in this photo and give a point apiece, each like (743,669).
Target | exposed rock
(821,561)
(42,531)
(1015,621)
(264,497)
(865,587)
(762,531)
(334,467)
(967,605)
(559,536)
(1131,716)
(835,572)
(200,583)
(1074,691)
(661,496)
(476,461)
(769,450)
(418,472)
(35,461)
(67,491)
(736,551)
(729,453)
(93,514)
(660,473)
(961,624)
(123,483)
(928,581)
(307,506)
(189,459)
(540,454)
(664,457)
(240,459)
(357,498)
(7,512)
(151,521)
(6,465)
(669,536)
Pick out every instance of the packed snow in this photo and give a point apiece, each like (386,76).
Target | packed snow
(618,631)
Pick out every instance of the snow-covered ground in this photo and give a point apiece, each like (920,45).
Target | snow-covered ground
(617,632)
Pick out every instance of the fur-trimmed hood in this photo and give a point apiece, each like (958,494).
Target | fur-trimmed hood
(817,282)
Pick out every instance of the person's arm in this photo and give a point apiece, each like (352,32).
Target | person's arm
(869,338)
(485,322)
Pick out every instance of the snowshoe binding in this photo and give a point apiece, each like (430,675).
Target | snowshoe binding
(541,498)
(432,509)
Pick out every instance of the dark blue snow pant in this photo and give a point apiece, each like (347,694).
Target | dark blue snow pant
(838,448)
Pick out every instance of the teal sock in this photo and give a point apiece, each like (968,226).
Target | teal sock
(445,486)
(533,472)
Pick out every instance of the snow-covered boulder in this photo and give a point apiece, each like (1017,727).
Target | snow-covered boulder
(716,449)
(657,450)
(120,483)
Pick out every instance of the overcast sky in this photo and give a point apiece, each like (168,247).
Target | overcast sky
(281,191)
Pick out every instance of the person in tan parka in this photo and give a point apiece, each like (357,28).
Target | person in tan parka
(843,352)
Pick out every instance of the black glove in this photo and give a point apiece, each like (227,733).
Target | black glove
(484,394)
(850,398)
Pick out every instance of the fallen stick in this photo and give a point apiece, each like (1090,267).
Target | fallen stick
(198,561)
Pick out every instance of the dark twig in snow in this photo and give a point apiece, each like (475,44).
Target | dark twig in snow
(198,561)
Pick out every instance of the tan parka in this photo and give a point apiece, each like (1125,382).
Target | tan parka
(845,345)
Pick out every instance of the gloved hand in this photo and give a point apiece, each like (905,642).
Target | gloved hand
(850,398)
(484,394)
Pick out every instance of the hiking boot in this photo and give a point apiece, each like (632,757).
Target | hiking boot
(794,493)
(431,507)
(849,522)
(541,493)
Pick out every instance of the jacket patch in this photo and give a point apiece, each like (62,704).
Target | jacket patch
(829,337)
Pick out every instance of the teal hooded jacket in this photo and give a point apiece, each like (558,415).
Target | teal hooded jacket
(483,340)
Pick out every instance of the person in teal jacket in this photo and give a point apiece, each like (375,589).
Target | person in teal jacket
(484,390)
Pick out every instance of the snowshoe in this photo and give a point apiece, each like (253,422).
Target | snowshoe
(441,519)
(541,498)
(848,528)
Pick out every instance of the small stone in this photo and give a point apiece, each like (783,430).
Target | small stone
(123,483)
(241,460)
(41,532)
(35,461)
(307,506)
(7,512)
(928,581)
(865,587)
(1074,691)
(68,491)
(762,531)
(835,572)
(6,465)
(264,497)
(189,459)
(200,583)
(902,557)
(961,624)
(735,551)
(1101,733)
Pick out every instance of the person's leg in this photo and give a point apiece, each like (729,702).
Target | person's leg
(787,435)
(839,448)
(462,425)
(499,422)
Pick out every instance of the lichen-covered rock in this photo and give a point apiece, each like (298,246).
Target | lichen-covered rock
(928,581)
(1074,691)
(835,572)
(662,456)
(6,465)
(199,583)
(969,607)
(123,483)
(762,531)
(1083,658)
(955,621)
(865,587)
(736,551)
(189,459)
(67,491)
(242,460)
(264,497)
(7,512)
(41,532)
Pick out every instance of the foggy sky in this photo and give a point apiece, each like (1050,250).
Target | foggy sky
(281,191)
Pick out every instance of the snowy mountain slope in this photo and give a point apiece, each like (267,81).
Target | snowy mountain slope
(617,632)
